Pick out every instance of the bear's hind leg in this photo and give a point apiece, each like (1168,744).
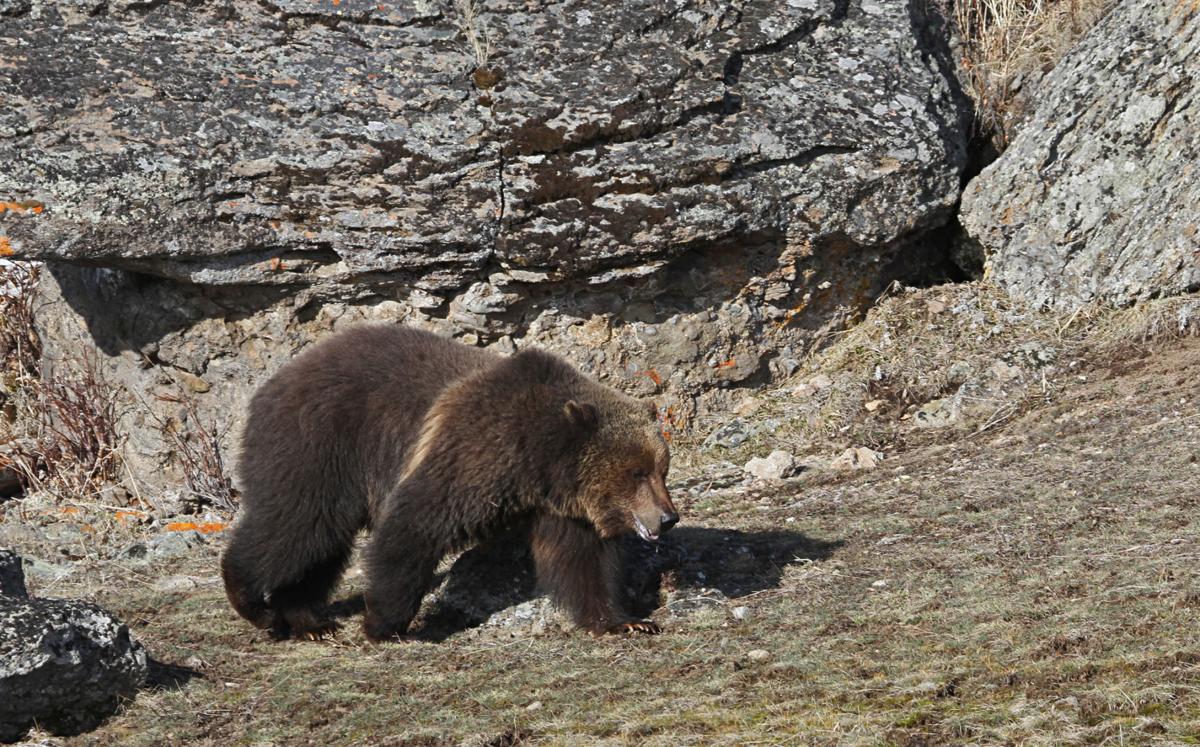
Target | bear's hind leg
(583,574)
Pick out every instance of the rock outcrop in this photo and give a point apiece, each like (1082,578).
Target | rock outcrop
(65,665)
(1095,199)
(677,195)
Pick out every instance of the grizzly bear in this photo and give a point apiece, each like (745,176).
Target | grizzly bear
(434,446)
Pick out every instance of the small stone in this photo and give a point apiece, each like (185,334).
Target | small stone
(729,435)
(45,573)
(740,613)
(747,406)
(958,372)
(803,391)
(534,706)
(168,545)
(857,457)
(192,381)
(879,584)
(935,305)
(875,404)
(504,345)
(776,466)
(1005,371)
(935,414)
(758,654)
(175,584)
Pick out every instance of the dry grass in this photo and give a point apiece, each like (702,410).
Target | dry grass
(1038,587)
(966,347)
(61,433)
(475,31)
(1008,41)
(68,444)
(1036,583)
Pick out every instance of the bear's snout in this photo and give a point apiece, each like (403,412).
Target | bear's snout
(652,526)
(668,520)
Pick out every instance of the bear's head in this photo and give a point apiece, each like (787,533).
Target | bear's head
(623,465)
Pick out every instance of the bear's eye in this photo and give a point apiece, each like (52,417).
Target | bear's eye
(640,474)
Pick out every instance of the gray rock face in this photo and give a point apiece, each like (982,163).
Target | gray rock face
(64,665)
(677,195)
(1096,197)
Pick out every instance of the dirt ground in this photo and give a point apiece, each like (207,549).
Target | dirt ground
(1024,579)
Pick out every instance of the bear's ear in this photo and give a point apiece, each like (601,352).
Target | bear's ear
(651,409)
(583,415)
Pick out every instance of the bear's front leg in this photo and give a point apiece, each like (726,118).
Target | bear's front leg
(400,562)
(583,574)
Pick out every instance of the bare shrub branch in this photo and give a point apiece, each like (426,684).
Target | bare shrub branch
(20,346)
(198,450)
(59,427)
(69,445)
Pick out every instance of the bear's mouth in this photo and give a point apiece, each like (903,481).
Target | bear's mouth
(643,532)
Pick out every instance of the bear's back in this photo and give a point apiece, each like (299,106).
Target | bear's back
(350,406)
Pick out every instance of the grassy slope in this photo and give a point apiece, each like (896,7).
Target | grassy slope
(1034,584)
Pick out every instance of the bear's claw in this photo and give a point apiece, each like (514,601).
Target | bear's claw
(649,627)
(324,631)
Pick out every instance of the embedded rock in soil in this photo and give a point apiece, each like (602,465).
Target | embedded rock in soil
(775,466)
(676,195)
(1095,198)
(65,665)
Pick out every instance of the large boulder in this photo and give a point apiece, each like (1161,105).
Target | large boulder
(1095,199)
(678,195)
(65,665)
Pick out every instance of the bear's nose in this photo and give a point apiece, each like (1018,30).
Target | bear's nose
(669,519)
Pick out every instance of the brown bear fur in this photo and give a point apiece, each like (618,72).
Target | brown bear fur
(435,446)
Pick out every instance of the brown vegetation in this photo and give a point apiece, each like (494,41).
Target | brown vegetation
(59,433)
(1009,43)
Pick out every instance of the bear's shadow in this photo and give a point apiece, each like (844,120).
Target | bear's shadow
(695,566)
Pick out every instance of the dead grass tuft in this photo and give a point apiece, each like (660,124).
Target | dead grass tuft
(70,446)
(59,433)
(1007,42)
(475,31)
(1144,323)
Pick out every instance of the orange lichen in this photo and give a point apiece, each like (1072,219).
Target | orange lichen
(69,510)
(27,206)
(207,527)
(6,249)
(653,376)
(275,264)
(123,516)
(727,364)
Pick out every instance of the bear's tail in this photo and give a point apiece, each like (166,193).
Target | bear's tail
(242,589)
